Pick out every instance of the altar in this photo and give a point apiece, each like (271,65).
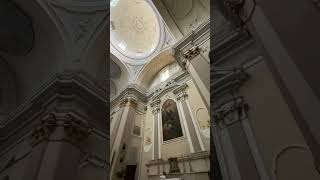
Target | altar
(164,178)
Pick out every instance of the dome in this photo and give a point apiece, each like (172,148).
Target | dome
(134,28)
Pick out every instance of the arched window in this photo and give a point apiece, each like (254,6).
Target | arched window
(171,127)
(165,73)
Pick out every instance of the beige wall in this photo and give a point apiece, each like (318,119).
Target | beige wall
(182,16)
(279,140)
(179,146)
(200,113)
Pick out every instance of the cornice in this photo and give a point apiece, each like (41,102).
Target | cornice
(131,91)
(194,39)
(69,92)
(228,83)
(227,43)
(165,86)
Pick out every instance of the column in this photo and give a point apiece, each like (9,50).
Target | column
(155,105)
(117,120)
(192,131)
(123,132)
(235,138)
(57,148)
(199,69)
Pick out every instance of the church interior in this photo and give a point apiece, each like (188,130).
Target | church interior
(160,76)
(159,90)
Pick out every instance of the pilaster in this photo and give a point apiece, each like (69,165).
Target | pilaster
(190,54)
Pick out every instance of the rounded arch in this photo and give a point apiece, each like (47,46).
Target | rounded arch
(285,160)
(43,60)
(120,82)
(95,63)
(151,69)
(124,69)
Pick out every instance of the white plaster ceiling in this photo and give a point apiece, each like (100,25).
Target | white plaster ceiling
(135,29)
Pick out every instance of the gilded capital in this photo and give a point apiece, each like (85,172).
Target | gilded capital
(74,131)
(129,102)
(182,96)
(181,93)
(191,53)
(155,105)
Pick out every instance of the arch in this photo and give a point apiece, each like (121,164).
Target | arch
(124,69)
(95,64)
(151,69)
(45,58)
(303,152)
(171,121)
(113,89)
(123,81)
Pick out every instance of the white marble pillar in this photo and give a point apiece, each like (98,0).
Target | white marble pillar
(192,130)
(155,105)
(129,105)
(199,69)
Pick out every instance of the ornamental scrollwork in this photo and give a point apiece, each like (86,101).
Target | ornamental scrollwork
(231,111)
(74,131)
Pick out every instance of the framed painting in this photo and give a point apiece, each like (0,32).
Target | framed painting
(171,127)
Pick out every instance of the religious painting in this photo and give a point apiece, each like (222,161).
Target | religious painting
(171,126)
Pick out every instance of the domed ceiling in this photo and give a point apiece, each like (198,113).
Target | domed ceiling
(134,28)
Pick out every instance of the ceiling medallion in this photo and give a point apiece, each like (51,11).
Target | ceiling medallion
(138,24)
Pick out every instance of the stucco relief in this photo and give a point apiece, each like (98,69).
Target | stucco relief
(203,121)
(78,25)
(147,140)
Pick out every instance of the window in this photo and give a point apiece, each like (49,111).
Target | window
(171,127)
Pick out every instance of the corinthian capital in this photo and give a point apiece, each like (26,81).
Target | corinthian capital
(191,53)
(129,101)
(155,105)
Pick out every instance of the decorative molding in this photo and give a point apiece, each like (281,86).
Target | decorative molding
(282,151)
(229,82)
(195,39)
(131,91)
(163,88)
(79,23)
(94,159)
(233,110)
(191,53)
(155,105)
(160,45)
(185,163)
(130,102)
(180,89)
(228,42)
(69,90)
(75,131)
